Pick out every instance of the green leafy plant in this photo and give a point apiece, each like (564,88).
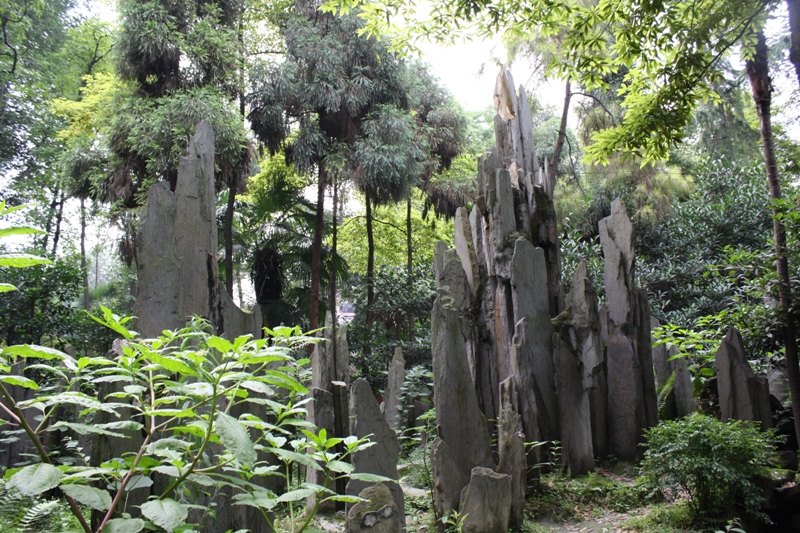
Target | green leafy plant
(181,391)
(715,463)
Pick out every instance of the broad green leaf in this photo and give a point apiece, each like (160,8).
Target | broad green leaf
(340,466)
(235,438)
(260,498)
(166,513)
(20,381)
(129,425)
(295,495)
(344,498)
(124,525)
(19,230)
(35,479)
(7,287)
(138,482)
(39,352)
(370,478)
(220,344)
(22,260)
(257,386)
(301,458)
(85,429)
(97,499)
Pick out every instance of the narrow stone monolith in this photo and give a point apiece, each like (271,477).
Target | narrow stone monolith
(394,382)
(742,394)
(379,514)
(486,502)
(511,447)
(366,419)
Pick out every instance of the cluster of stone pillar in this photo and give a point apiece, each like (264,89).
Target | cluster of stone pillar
(511,347)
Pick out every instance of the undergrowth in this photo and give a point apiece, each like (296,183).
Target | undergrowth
(22,514)
(562,499)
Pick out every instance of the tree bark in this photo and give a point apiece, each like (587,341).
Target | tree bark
(228,232)
(409,265)
(316,251)
(83,256)
(370,277)
(562,135)
(59,217)
(761,84)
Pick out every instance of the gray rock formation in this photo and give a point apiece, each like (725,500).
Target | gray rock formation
(742,395)
(366,419)
(394,382)
(582,299)
(675,375)
(511,446)
(176,250)
(632,402)
(486,502)
(449,479)
(379,514)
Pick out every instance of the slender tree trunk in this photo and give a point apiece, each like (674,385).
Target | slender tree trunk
(59,216)
(794,30)
(409,265)
(761,84)
(370,277)
(228,231)
(562,135)
(334,245)
(83,256)
(50,214)
(316,251)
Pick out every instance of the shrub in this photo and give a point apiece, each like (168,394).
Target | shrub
(715,463)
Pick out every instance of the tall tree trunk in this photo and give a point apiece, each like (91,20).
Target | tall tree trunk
(370,278)
(409,265)
(59,217)
(50,214)
(562,135)
(794,30)
(83,256)
(761,84)
(228,231)
(334,244)
(316,251)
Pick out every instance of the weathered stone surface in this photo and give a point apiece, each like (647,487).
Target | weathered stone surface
(529,162)
(462,234)
(644,350)
(322,358)
(381,458)
(632,402)
(502,222)
(236,321)
(531,358)
(582,299)
(477,230)
(322,412)
(544,234)
(626,417)
(679,401)
(394,382)
(511,445)
(379,514)
(486,502)
(449,478)
(342,355)
(461,423)
(742,395)
(573,401)
(178,230)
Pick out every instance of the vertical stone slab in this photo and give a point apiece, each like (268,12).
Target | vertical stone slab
(322,413)
(449,478)
(464,249)
(461,423)
(381,458)
(486,502)
(502,222)
(629,352)
(626,416)
(529,162)
(511,446)
(582,299)
(342,355)
(532,361)
(544,234)
(684,398)
(742,395)
(573,401)
(394,382)
(663,375)
(322,358)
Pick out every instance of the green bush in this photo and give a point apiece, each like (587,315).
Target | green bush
(715,463)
